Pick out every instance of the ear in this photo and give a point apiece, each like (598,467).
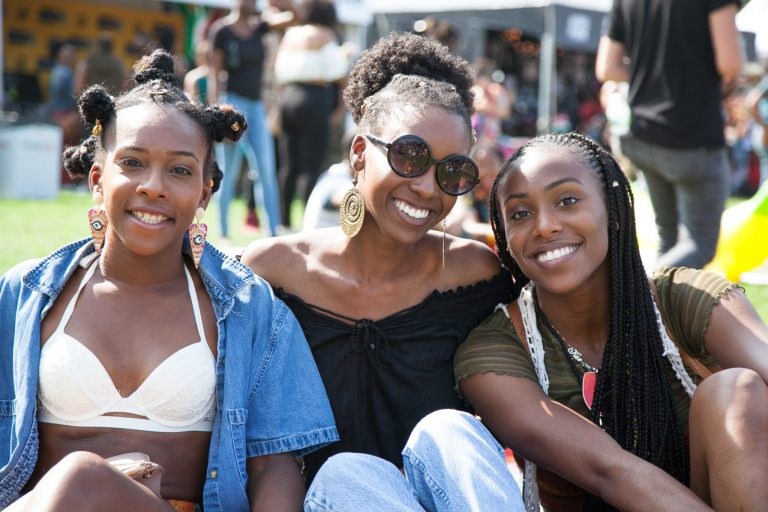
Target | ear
(94,179)
(205,196)
(357,153)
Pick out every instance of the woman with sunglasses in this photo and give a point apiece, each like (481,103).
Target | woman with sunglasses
(601,376)
(384,300)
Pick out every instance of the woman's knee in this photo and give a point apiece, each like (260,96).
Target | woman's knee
(342,468)
(735,396)
(449,429)
(82,465)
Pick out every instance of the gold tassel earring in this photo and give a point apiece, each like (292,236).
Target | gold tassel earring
(197,235)
(97,221)
(352,210)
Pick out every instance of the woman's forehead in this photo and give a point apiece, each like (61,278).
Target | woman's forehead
(152,123)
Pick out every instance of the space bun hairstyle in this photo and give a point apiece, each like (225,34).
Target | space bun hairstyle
(411,72)
(155,81)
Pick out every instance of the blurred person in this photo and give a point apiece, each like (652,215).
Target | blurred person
(679,52)
(61,107)
(738,139)
(236,72)
(196,79)
(101,67)
(470,217)
(756,102)
(322,210)
(493,103)
(309,61)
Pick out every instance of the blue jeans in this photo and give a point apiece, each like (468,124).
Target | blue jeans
(688,189)
(451,463)
(258,147)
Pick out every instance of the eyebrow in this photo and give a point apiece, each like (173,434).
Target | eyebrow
(175,153)
(548,187)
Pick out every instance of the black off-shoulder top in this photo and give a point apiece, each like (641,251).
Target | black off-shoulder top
(383,376)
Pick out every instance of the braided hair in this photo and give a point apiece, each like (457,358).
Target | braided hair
(155,82)
(408,72)
(633,388)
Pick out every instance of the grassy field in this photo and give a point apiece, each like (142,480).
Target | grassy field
(33,229)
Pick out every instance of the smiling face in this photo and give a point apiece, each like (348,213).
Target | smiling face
(152,178)
(555,220)
(406,208)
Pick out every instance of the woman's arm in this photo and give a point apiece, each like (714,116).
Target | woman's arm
(275,483)
(559,439)
(736,336)
(215,75)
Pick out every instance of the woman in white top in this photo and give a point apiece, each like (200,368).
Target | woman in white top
(309,62)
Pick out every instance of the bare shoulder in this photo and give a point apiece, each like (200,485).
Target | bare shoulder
(469,261)
(284,261)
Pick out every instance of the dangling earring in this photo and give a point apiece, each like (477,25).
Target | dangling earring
(352,210)
(443,243)
(197,234)
(97,221)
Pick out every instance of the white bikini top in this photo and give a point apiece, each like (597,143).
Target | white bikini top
(76,390)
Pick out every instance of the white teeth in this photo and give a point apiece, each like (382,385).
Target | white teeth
(555,253)
(149,218)
(410,211)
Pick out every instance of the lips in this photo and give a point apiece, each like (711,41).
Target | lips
(411,211)
(554,254)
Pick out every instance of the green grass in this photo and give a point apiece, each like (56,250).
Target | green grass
(33,228)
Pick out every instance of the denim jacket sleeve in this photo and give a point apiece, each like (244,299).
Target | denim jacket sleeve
(18,446)
(288,408)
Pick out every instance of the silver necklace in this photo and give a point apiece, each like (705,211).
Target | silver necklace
(576,355)
(573,352)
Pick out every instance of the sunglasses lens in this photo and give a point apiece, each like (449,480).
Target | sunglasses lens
(409,156)
(457,175)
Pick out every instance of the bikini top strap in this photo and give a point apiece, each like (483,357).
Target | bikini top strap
(195,305)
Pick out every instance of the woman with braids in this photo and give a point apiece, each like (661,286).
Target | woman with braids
(114,347)
(595,373)
(383,300)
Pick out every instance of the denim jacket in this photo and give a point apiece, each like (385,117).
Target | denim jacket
(269,396)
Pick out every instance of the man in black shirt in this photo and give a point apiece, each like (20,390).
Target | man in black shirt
(674,54)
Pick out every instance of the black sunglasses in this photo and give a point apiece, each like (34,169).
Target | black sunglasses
(409,156)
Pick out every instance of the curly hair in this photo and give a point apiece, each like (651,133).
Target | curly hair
(411,71)
(155,82)
(633,389)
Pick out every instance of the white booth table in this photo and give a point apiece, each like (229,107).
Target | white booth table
(30,160)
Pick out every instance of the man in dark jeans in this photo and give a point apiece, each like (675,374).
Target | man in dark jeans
(674,54)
